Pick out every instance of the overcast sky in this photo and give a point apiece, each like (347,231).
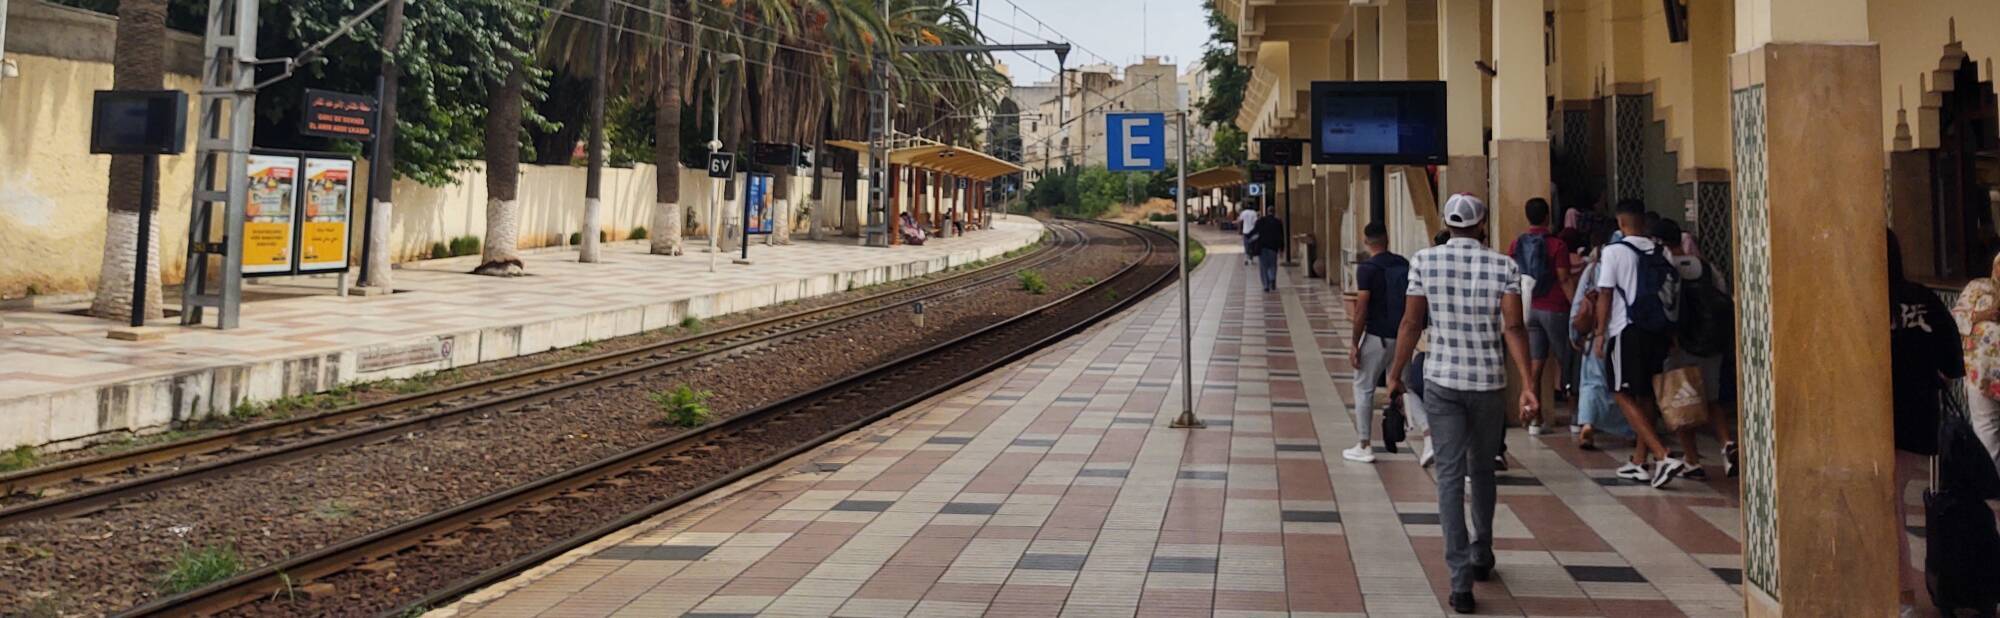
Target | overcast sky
(1110,28)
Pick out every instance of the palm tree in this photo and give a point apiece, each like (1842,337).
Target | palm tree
(137,64)
(501,254)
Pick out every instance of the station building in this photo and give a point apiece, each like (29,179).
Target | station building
(1785,133)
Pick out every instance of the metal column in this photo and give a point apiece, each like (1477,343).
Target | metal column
(222,160)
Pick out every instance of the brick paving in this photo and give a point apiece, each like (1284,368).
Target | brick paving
(1055,488)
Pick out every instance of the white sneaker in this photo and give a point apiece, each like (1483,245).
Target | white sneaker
(1665,471)
(1575,429)
(1359,453)
(1430,454)
(1534,429)
(1634,472)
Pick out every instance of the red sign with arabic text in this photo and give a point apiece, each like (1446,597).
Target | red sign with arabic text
(338,115)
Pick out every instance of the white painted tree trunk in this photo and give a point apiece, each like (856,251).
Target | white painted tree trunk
(114,275)
(817,220)
(502,255)
(666,232)
(781,222)
(379,272)
(592,207)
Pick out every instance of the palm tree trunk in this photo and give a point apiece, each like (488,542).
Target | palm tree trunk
(501,255)
(137,64)
(667,217)
(382,174)
(593,206)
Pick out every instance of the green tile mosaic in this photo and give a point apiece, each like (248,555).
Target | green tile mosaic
(1753,293)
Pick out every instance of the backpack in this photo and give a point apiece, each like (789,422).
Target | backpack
(1531,253)
(1707,324)
(1655,305)
(1396,284)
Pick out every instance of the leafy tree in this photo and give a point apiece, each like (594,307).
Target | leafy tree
(1226,82)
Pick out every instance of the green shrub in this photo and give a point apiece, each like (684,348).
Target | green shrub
(1032,282)
(638,233)
(683,406)
(1160,216)
(465,245)
(603,237)
(439,251)
(21,458)
(194,568)
(691,324)
(575,238)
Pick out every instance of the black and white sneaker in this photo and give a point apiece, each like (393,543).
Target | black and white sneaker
(1665,471)
(1694,473)
(1635,473)
(1729,459)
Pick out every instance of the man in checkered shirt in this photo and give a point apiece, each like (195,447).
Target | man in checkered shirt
(1469,298)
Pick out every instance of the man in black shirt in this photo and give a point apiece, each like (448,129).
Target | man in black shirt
(1925,357)
(1381,281)
(1270,240)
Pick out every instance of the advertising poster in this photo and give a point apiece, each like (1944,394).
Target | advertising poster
(268,212)
(757,214)
(323,226)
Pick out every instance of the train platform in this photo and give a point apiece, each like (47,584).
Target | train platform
(63,382)
(1054,487)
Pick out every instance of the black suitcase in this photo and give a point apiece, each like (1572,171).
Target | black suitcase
(1962,544)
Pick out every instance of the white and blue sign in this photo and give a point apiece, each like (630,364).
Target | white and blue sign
(1138,142)
(1256,189)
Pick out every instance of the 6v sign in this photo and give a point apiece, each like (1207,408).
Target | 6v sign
(721,164)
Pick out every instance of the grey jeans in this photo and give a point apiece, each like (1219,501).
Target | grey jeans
(1467,427)
(1375,353)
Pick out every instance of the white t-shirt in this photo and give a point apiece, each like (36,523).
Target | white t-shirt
(1246,220)
(1618,274)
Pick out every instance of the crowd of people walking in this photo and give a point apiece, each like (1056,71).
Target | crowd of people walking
(1619,318)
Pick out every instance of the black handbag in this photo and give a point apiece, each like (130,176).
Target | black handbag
(1393,422)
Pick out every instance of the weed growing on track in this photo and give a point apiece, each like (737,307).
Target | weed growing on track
(334,509)
(1032,282)
(691,324)
(21,457)
(684,406)
(194,568)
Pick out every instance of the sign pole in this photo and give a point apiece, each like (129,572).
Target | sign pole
(374,159)
(148,179)
(1187,420)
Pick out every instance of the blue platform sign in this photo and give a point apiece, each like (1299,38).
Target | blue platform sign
(1138,142)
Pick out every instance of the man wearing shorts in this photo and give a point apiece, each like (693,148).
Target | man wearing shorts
(1548,311)
(1634,353)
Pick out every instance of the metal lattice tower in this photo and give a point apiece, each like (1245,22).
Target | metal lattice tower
(222,158)
(876,234)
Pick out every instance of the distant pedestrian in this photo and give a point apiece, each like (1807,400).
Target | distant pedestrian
(1595,411)
(1269,239)
(1704,333)
(1640,288)
(1474,293)
(1381,281)
(1246,222)
(1543,256)
(1924,358)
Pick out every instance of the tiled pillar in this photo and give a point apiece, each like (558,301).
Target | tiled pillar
(1520,117)
(1818,466)
(1459,32)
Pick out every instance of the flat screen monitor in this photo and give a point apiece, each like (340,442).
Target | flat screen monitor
(138,122)
(1378,123)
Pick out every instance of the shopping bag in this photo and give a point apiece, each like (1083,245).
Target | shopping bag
(1683,401)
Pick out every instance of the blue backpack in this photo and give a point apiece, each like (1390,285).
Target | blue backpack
(1531,253)
(1655,305)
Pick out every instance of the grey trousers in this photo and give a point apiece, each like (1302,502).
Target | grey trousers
(1375,353)
(1467,427)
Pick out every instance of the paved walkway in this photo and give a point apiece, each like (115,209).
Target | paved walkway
(1054,487)
(62,379)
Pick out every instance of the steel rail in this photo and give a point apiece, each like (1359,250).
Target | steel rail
(516,389)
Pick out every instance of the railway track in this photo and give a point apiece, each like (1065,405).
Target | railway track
(101,482)
(626,488)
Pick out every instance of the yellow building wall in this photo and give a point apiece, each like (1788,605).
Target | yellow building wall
(53,191)
(1912,36)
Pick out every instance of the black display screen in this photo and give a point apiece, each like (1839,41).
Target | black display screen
(1369,123)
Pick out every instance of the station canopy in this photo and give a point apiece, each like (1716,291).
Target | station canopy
(1218,178)
(953,160)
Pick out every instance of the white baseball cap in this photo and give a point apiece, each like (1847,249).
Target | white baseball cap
(1463,211)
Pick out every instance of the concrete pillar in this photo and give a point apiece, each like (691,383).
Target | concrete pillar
(1367,44)
(1520,116)
(1818,462)
(1394,37)
(1459,32)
